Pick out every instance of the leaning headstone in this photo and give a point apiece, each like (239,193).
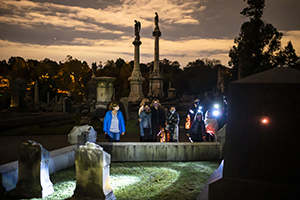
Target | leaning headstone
(33,173)
(92,173)
(82,134)
(262,138)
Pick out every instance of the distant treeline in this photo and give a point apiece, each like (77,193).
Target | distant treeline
(73,75)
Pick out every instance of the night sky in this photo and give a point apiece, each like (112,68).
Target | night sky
(101,30)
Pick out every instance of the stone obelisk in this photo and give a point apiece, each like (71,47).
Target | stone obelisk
(156,78)
(136,79)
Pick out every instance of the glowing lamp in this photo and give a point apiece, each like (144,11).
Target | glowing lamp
(264,120)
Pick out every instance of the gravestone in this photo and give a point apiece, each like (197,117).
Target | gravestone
(82,134)
(33,172)
(262,138)
(105,90)
(171,92)
(67,104)
(18,95)
(92,173)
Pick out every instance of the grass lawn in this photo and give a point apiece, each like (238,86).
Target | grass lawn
(145,180)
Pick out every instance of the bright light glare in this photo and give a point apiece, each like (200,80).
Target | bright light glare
(264,120)
(191,111)
(216,106)
(216,113)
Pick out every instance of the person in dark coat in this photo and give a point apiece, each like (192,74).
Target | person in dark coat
(197,131)
(158,118)
(145,125)
(172,122)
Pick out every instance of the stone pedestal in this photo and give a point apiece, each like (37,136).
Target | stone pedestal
(33,174)
(262,138)
(92,173)
(156,78)
(136,79)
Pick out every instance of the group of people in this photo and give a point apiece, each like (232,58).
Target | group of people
(151,118)
(153,121)
(201,130)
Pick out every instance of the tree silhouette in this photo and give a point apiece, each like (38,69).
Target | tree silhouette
(255,47)
(288,57)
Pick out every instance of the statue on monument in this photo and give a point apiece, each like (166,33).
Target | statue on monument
(156,21)
(137,28)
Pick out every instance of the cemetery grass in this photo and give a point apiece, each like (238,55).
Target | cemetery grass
(145,180)
(131,128)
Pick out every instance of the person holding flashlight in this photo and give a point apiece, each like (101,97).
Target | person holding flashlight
(212,127)
(197,131)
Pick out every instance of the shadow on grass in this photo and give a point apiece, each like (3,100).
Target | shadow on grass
(144,180)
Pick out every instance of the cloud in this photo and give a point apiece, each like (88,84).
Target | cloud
(28,14)
(92,50)
(98,30)
(294,37)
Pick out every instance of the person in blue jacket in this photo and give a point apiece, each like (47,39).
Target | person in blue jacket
(113,124)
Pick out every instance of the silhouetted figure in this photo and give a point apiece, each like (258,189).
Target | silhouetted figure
(156,21)
(158,118)
(198,132)
(137,28)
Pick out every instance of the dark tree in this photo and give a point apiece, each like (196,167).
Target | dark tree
(288,57)
(256,44)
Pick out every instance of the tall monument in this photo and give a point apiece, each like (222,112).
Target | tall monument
(156,78)
(136,79)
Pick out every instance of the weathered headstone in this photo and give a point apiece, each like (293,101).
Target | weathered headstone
(33,174)
(82,134)
(171,92)
(18,94)
(262,138)
(92,173)
(68,106)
